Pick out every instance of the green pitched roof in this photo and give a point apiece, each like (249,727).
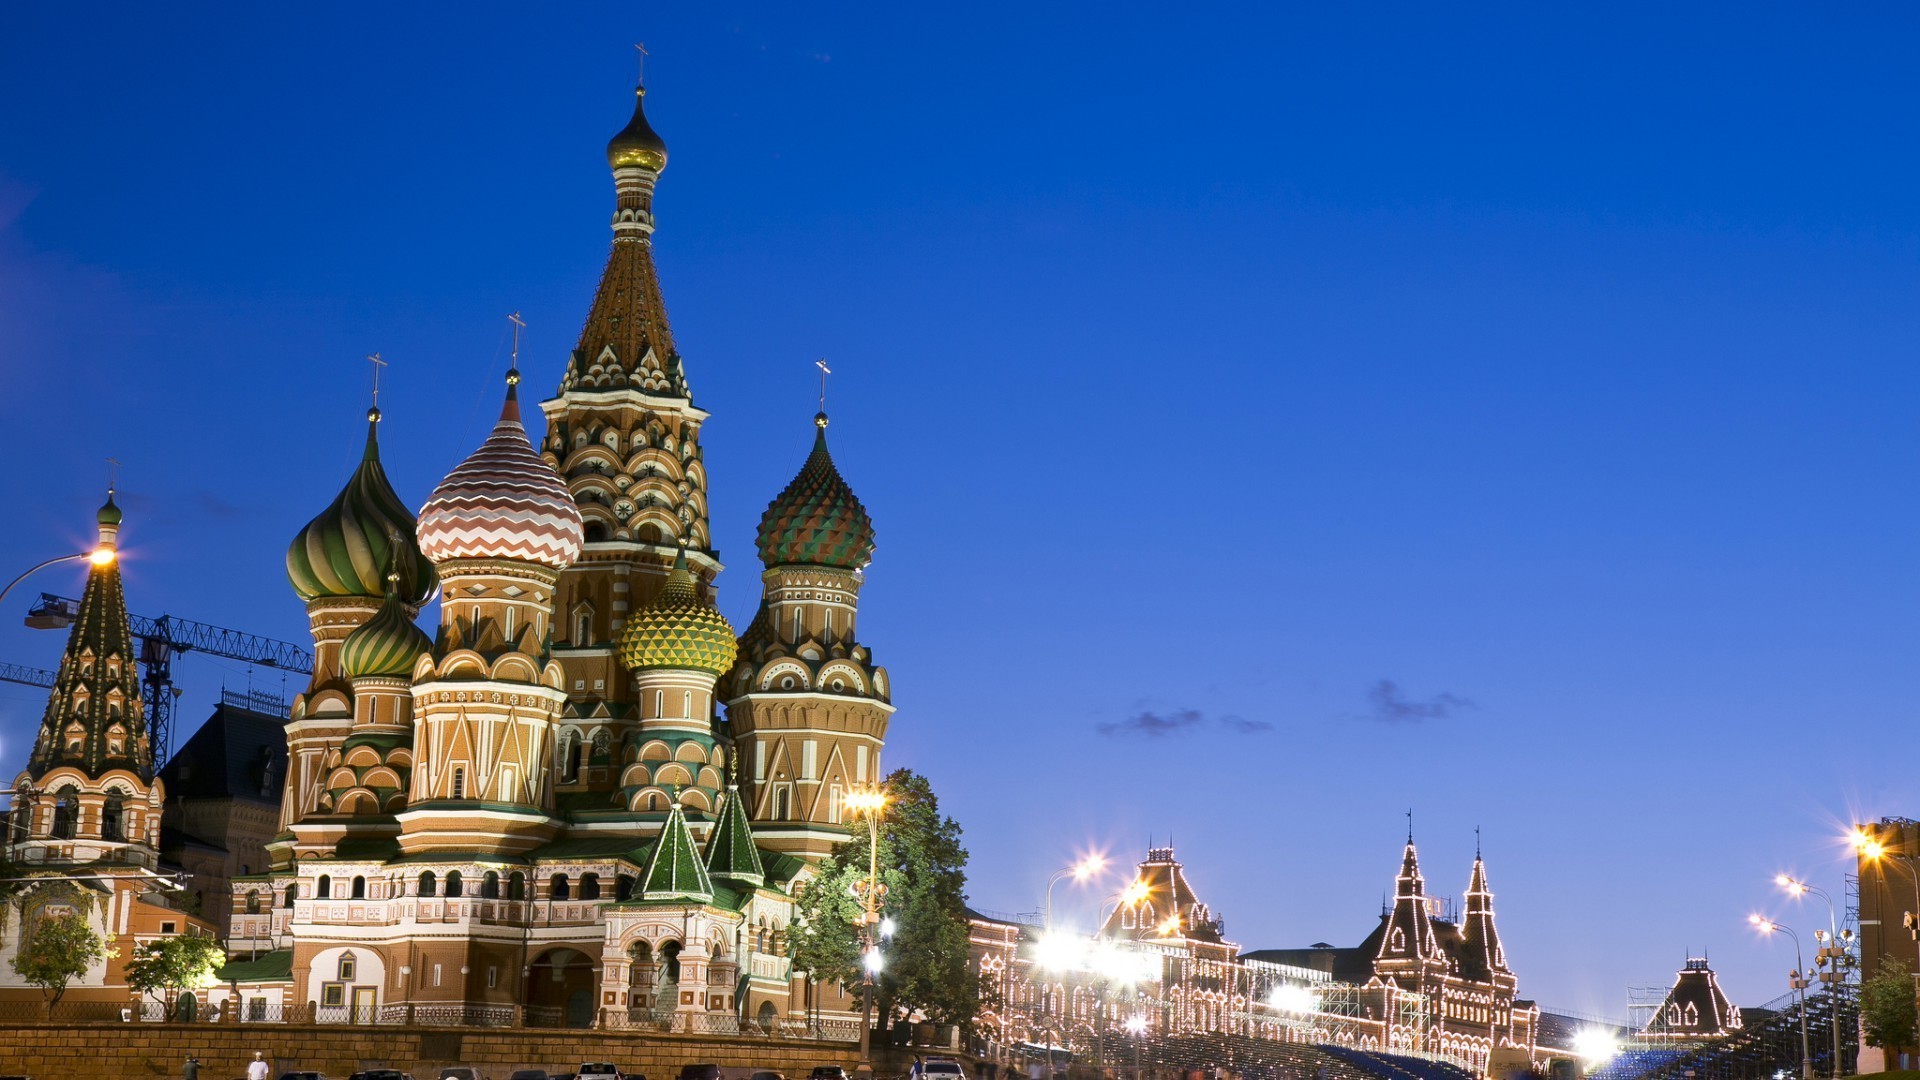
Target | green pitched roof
(731,856)
(674,872)
(269,967)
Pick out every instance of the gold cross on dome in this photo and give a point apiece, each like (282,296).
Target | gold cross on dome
(641,47)
(374,359)
(519,324)
(824,372)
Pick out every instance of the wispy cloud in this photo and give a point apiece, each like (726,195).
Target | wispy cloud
(1160,725)
(1388,704)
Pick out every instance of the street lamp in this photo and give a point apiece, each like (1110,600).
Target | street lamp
(1831,955)
(101,555)
(1079,872)
(1799,982)
(869,803)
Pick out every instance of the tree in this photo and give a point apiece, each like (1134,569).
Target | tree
(1887,1006)
(59,949)
(161,969)
(923,867)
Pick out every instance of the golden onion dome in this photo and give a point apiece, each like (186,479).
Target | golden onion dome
(638,145)
(679,630)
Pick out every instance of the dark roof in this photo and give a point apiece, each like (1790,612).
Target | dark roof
(269,967)
(1345,965)
(237,754)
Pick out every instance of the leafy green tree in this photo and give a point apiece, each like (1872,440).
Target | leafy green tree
(59,949)
(1887,1006)
(164,968)
(923,869)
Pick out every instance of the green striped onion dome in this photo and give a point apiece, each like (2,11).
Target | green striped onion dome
(347,549)
(679,630)
(386,644)
(817,519)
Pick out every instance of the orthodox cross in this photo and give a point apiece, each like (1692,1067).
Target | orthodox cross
(519,324)
(824,372)
(113,472)
(641,46)
(377,363)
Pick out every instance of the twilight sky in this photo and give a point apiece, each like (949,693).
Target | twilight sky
(1273,419)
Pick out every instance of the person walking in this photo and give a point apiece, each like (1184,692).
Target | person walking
(191,1070)
(257,1069)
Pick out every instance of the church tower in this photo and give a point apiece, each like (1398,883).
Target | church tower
(500,529)
(85,796)
(807,706)
(624,435)
(1482,957)
(676,648)
(350,564)
(1409,951)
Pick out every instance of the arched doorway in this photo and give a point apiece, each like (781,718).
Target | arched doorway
(560,989)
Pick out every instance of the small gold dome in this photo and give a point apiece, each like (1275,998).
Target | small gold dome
(638,145)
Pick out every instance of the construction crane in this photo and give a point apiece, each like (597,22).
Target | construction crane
(161,640)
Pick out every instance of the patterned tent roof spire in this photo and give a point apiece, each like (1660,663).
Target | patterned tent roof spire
(731,855)
(674,870)
(94,720)
(347,549)
(503,502)
(818,519)
(626,343)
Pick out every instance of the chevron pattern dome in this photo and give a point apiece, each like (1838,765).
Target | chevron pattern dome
(679,631)
(503,502)
(385,645)
(817,519)
(346,550)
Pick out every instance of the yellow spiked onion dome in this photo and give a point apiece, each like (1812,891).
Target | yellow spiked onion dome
(638,145)
(817,520)
(679,630)
(385,645)
(347,550)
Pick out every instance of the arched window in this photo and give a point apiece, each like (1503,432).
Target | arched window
(590,887)
(112,816)
(428,884)
(359,888)
(516,886)
(602,745)
(323,889)
(686,703)
(453,883)
(459,783)
(490,886)
(253,901)
(63,812)
(622,886)
(569,756)
(293,892)
(559,888)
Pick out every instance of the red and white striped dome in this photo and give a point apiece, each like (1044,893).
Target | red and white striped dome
(503,502)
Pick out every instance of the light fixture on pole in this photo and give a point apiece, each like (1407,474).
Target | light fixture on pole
(869,803)
(1798,981)
(1830,957)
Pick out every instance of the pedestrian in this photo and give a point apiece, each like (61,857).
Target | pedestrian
(257,1069)
(191,1070)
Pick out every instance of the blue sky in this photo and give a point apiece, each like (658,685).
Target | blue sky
(1503,414)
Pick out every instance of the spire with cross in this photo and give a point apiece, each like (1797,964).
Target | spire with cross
(373,360)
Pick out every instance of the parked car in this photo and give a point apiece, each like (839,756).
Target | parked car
(529,1074)
(767,1074)
(708,1071)
(827,1072)
(597,1070)
(462,1072)
(942,1069)
(303,1076)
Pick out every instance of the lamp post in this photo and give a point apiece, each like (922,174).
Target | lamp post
(869,803)
(1831,953)
(1798,981)
(99,556)
(1079,872)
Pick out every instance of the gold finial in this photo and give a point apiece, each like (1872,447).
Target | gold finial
(373,414)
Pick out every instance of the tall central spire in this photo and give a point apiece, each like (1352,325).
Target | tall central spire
(626,342)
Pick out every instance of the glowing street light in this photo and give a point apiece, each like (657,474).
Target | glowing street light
(869,803)
(1595,1045)
(1831,954)
(1293,998)
(1079,872)
(1795,979)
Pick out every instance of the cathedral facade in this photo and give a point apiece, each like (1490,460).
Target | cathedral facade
(536,813)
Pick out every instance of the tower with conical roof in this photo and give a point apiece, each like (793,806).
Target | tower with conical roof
(1482,957)
(87,797)
(500,529)
(1409,952)
(675,649)
(624,435)
(806,705)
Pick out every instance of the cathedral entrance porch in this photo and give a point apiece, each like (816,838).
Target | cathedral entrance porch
(561,984)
